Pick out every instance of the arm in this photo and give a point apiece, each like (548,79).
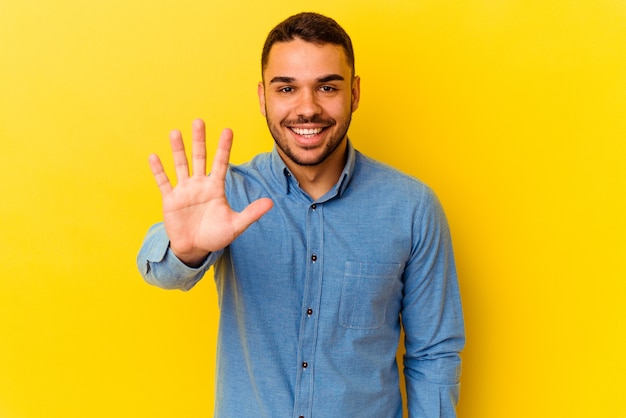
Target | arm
(432,319)
(197,219)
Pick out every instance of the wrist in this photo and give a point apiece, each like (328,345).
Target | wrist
(190,259)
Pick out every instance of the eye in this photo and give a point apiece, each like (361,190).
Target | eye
(327,89)
(286,89)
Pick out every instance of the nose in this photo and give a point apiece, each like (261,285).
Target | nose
(308,104)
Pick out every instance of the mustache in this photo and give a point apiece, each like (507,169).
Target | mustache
(315,119)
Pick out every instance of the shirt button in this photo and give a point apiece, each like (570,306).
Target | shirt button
(314,258)
(309,311)
(305,364)
(313,206)
(301,416)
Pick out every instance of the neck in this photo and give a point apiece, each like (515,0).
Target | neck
(317,180)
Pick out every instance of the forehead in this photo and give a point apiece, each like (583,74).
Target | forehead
(300,60)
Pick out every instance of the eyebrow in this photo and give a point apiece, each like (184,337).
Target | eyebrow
(324,79)
(282,79)
(331,77)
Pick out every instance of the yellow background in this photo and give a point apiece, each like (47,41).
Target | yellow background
(513,110)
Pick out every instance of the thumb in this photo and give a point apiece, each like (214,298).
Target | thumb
(252,213)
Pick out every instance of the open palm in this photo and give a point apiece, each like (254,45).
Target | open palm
(196,213)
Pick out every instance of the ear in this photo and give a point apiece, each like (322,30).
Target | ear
(356,92)
(261,94)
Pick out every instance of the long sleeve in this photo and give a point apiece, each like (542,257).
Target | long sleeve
(160,267)
(432,318)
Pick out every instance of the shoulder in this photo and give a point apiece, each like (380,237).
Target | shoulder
(251,180)
(389,179)
(393,194)
(253,171)
(258,163)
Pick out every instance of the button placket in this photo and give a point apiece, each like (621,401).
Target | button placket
(310,311)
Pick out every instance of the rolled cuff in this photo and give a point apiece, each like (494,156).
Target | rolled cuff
(160,267)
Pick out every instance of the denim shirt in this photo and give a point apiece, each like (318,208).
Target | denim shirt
(312,297)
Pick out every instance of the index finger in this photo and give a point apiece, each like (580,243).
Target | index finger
(222,155)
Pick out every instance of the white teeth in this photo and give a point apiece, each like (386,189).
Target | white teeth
(307,132)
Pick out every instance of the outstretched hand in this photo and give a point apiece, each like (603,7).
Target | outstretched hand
(197,217)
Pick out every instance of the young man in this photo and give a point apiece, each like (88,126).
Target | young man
(320,253)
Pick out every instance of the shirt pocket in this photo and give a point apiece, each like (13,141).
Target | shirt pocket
(365,294)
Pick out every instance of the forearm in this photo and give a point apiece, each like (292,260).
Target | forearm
(432,386)
(434,339)
(160,267)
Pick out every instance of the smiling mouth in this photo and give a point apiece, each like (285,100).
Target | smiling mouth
(307,133)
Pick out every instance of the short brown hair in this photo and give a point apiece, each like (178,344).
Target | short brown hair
(310,27)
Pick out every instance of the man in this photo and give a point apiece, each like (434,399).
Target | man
(320,253)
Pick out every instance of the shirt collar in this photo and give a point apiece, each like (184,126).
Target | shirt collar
(287,180)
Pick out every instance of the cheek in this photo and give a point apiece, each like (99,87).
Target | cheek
(339,108)
(277,110)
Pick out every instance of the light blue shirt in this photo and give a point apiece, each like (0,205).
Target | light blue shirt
(312,296)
